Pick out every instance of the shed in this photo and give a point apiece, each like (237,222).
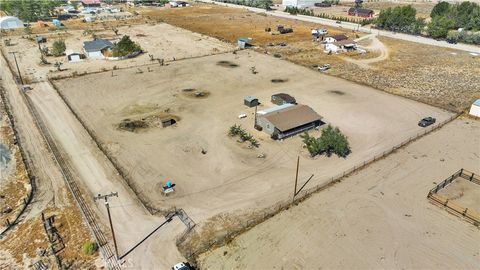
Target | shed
(95,48)
(288,121)
(41,39)
(475,109)
(244,42)
(74,56)
(10,22)
(250,101)
(56,22)
(282,98)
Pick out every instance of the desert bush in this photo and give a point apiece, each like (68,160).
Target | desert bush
(332,141)
(89,247)
(58,47)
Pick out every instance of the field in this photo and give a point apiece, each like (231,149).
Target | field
(377,218)
(213,172)
(438,76)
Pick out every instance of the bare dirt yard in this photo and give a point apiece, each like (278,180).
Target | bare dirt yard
(377,218)
(438,76)
(160,40)
(213,172)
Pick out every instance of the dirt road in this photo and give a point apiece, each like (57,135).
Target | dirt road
(375,46)
(132,222)
(377,218)
(357,27)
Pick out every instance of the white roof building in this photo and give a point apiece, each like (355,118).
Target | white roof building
(300,3)
(475,109)
(10,22)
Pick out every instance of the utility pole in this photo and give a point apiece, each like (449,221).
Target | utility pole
(296,179)
(18,69)
(105,197)
(255,117)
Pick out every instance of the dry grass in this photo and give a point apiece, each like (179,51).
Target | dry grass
(438,76)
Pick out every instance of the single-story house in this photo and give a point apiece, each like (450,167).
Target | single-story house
(74,56)
(361,12)
(335,38)
(331,47)
(475,109)
(91,3)
(10,22)
(244,42)
(183,4)
(285,122)
(299,3)
(347,44)
(282,98)
(95,49)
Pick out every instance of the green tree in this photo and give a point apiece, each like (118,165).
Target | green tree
(332,141)
(58,47)
(440,9)
(311,143)
(453,36)
(125,47)
(439,26)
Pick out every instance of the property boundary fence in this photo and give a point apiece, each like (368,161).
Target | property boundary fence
(87,213)
(191,250)
(4,105)
(469,214)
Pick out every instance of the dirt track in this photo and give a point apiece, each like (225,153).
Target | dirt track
(377,218)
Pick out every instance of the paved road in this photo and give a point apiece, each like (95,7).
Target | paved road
(354,26)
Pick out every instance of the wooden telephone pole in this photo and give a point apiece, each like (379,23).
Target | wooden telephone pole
(296,178)
(105,197)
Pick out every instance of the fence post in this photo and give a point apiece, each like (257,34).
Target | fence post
(471,177)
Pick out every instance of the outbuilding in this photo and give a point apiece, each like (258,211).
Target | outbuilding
(299,3)
(475,109)
(74,56)
(288,121)
(282,98)
(361,12)
(244,42)
(10,22)
(250,101)
(95,49)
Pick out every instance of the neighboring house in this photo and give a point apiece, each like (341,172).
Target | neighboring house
(361,12)
(285,122)
(335,38)
(10,22)
(282,98)
(299,3)
(347,45)
(331,47)
(475,109)
(95,49)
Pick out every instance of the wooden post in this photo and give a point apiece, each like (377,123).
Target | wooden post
(255,117)
(296,179)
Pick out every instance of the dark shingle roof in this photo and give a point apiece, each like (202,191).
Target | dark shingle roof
(96,45)
(292,117)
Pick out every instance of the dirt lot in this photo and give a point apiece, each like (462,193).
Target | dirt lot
(222,177)
(437,76)
(377,218)
(464,193)
(162,41)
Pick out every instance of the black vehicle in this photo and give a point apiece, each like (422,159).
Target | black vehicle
(427,121)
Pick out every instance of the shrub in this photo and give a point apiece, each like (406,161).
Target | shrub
(89,247)
(125,47)
(58,47)
(332,141)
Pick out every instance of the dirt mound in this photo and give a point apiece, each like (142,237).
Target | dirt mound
(132,125)
(153,121)
(227,64)
(195,93)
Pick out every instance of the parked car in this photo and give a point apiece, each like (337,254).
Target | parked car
(323,68)
(182,266)
(427,121)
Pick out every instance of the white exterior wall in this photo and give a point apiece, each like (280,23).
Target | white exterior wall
(300,3)
(331,47)
(330,40)
(95,55)
(475,110)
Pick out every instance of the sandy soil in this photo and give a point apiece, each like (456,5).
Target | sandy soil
(377,218)
(221,179)
(464,193)
(161,40)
